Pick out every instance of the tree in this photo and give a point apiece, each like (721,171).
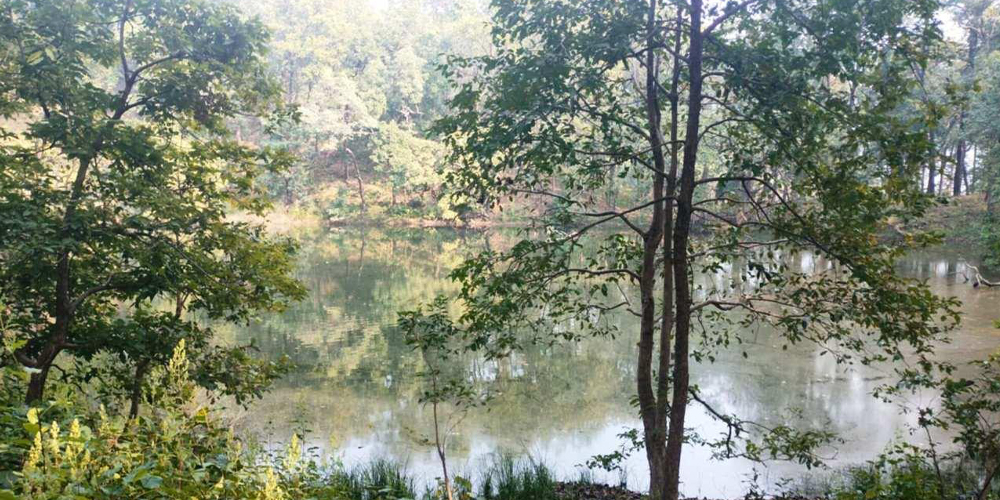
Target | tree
(973,16)
(116,196)
(448,382)
(365,78)
(981,123)
(407,161)
(968,407)
(796,100)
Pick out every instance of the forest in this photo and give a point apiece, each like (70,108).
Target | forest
(500,250)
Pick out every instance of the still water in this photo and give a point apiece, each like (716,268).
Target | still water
(356,392)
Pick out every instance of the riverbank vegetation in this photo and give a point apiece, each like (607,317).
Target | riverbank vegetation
(366,80)
(669,164)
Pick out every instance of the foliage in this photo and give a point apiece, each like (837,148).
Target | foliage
(968,410)
(184,450)
(181,450)
(510,478)
(904,472)
(408,162)
(810,154)
(123,188)
(366,81)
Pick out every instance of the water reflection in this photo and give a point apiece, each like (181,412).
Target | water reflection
(357,392)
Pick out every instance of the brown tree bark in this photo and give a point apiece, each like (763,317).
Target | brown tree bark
(136,396)
(960,150)
(65,307)
(653,430)
(682,230)
(956,187)
(357,175)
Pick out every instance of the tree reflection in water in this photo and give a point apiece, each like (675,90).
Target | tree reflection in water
(356,386)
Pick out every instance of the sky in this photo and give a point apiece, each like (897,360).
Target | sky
(949,26)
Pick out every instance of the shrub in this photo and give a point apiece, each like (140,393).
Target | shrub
(179,450)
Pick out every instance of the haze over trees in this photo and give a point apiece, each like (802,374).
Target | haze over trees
(663,161)
(365,80)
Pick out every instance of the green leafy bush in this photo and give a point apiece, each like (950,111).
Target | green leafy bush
(179,450)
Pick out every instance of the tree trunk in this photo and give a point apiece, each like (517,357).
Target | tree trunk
(357,175)
(136,396)
(682,286)
(36,386)
(969,74)
(654,425)
(932,171)
(973,172)
(956,187)
(941,179)
(43,363)
(984,492)
(658,458)
(441,445)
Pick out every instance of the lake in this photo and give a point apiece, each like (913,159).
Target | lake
(355,393)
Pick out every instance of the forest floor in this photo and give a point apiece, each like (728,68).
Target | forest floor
(593,491)
(959,221)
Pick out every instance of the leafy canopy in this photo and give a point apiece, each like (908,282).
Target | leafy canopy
(119,172)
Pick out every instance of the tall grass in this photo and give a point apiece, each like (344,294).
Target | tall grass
(504,477)
(510,478)
(379,479)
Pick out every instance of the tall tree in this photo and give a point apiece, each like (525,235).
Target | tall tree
(972,14)
(362,74)
(982,126)
(118,172)
(796,99)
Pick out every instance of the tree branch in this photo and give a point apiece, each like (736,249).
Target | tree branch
(726,15)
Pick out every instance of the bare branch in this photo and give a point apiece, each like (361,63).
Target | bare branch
(596,223)
(103,287)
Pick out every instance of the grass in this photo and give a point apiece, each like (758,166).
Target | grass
(958,221)
(283,221)
(511,478)
(377,480)
(505,477)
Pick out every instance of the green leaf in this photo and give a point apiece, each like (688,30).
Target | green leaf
(152,482)
(35,57)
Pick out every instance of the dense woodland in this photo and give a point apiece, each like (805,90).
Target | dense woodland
(368,82)
(662,162)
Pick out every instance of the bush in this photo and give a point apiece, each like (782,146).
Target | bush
(906,472)
(61,450)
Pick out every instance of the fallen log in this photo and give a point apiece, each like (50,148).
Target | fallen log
(977,277)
